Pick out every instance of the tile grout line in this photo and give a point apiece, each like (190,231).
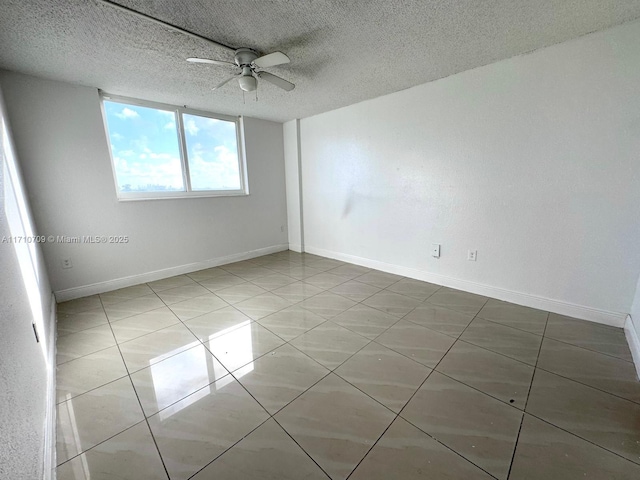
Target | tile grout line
(589,349)
(300,446)
(288,342)
(144,416)
(430,329)
(146,420)
(447,447)
(369,341)
(230,447)
(330,371)
(250,282)
(197,339)
(372,446)
(513,327)
(588,386)
(92,389)
(493,351)
(411,398)
(563,429)
(521,330)
(555,339)
(521,410)
(515,447)
(99,443)
(355,353)
(438,363)
(85,355)
(230,372)
(591,442)
(530,365)
(270,416)
(399,415)
(166,305)
(128,375)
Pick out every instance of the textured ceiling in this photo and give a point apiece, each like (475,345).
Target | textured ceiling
(342,52)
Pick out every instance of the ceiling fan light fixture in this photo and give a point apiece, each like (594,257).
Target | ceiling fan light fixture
(248,83)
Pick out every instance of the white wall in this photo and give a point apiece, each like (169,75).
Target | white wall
(533,161)
(292,160)
(60,137)
(26,367)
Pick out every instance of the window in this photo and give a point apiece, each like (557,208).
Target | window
(161,151)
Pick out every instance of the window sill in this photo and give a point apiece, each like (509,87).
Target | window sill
(178,195)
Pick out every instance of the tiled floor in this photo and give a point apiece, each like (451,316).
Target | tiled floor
(293,366)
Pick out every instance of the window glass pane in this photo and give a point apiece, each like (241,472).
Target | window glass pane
(144,145)
(212,152)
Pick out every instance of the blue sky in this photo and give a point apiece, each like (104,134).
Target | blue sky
(146,153)
(212,150)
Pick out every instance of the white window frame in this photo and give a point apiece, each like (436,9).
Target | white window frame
(182,144)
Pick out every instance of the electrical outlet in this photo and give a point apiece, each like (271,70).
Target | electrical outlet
(435,250)
(66,263)
(472,255)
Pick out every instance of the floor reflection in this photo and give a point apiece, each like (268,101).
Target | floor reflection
(68,430)
(234,348)
(173,372)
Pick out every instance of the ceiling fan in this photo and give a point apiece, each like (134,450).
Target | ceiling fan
(248,62)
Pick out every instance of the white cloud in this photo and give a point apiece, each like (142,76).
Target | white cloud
(161,156)
(170,126)
(141,143)
(152,169)
(121,164)
(127,113)
(191,127)
(214,170)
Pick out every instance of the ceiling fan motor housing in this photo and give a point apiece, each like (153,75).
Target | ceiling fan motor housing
(244,56)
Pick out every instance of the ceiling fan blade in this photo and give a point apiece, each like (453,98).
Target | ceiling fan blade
(214,62)
(221,84)
(271,60)
(277,81)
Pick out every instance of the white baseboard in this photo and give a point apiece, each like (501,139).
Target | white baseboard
(614,319)
(115,284)
(295,247)
(50,410)
(633,339)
